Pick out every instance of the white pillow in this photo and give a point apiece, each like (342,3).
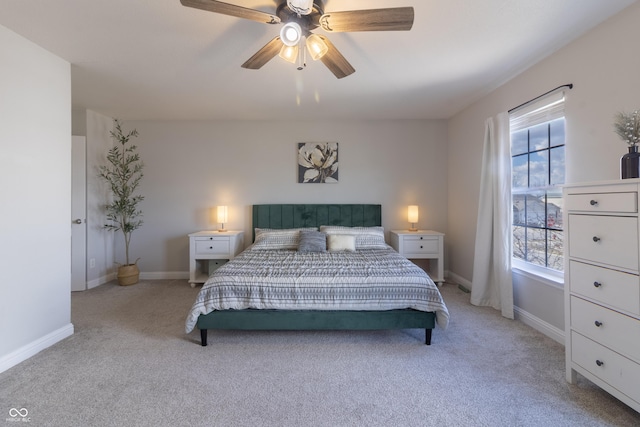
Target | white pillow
(270,238)
(341,242)
(366,237)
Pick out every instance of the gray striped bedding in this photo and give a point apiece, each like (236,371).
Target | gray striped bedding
(368,279)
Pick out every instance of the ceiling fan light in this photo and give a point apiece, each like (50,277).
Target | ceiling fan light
(316,46)
(289,53)
(291,33)
(301,7)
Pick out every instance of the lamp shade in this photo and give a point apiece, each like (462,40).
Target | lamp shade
(412,214)
(316,46)
(222,214)
(289,53)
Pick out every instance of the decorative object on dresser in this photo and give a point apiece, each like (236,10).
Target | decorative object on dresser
(317,162)
(421,244)
(627,126)
(123,174)
(602,287)
(208,250)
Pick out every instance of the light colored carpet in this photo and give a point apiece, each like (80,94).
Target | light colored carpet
(130,363)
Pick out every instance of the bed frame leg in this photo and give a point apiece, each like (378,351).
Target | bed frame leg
(203,337)
(427,336)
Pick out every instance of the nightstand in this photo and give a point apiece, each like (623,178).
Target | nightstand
(208,250)
(421,244)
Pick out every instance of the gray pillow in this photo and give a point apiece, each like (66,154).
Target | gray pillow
(312,241)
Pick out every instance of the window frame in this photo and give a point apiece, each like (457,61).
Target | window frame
(542,111)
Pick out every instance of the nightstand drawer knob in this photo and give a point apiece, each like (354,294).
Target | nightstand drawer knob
(597,284)
(421,247)
(421,237)
(599,362)
(598,323)
(593,202)
(596,239)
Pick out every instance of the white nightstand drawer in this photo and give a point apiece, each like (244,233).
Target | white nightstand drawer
(421,245)
(614,369)
(213,246)
(610,240)
(603,202)
(611,287)
(608,327)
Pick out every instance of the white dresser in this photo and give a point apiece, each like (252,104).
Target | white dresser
(208,250)
(602,286)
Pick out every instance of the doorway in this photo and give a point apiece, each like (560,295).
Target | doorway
(78,213)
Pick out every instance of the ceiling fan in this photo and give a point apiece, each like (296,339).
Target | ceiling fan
(300,17)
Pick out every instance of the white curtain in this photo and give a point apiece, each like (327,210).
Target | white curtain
(492,283)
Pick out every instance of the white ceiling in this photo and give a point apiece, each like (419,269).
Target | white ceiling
(159,60)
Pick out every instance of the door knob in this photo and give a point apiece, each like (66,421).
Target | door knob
(77,221)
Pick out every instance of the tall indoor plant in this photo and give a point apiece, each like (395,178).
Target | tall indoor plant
(123,174)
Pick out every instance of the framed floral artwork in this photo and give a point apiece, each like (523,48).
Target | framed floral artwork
(317,162)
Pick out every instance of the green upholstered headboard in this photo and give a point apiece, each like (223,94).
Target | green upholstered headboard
(315,215)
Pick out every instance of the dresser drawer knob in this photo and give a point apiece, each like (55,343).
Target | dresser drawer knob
(210,247)
(599,362)
(596,239)
(597,284)
(593,202)
(598,323)
(421,247)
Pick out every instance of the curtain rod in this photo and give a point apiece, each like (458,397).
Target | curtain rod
(569,85)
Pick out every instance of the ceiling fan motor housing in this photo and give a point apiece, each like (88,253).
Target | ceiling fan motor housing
(307,22)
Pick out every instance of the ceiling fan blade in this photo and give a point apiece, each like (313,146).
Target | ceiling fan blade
(392,19)
(264,55)
(335,62)
(232,10)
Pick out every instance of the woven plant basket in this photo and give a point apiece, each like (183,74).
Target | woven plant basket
(128,274)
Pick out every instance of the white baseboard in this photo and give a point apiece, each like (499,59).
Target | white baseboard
(29,350)
(101,280)
(521,315)
(539,325)
(168,275)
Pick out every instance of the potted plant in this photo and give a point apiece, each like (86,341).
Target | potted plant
(123,174)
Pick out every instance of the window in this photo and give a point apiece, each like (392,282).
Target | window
(538,170)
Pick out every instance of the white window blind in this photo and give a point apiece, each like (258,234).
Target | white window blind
(545,109)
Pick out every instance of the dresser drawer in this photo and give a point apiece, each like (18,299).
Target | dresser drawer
(611,287)
(614,369)
(208,246)
(603,202)
(610,328)
(421,245)
(610,240)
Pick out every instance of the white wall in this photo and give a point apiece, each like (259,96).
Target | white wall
(35,225)
(604,67)
(191,167)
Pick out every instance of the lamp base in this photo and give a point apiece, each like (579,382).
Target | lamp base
(413,229)
(222,230)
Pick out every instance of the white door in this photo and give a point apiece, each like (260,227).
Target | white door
(78,213)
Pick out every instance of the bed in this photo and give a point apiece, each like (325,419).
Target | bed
(275,285)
